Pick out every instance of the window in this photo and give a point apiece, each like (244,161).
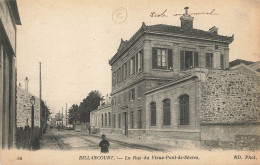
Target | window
(137,63)
(153,114)
(139,118)
(216,46)
(209,60)
(114,120)
(222,61)
(119,120)
(105,119)
(184,109)
(189,59)
(102,120)
(132,94)
(166,112)
(141,54)
(109,119)
(132,119)
(114,101)
(125,70)
(139,91)
(114,79)
(162,58)
(132,70)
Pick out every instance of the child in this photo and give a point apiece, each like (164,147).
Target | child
(104,144)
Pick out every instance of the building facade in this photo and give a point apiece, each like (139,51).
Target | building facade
(9,18)
(24,109)
(155,55)
(168,83)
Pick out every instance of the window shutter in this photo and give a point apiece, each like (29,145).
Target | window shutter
(136,63)
(154,58)
(196,59)
(142,61)
(182,60)
(207,60)
(222,61)
(133,65)
(170,61)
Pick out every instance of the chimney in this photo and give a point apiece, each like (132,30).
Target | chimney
(186,21)
(26,83)
(214,30)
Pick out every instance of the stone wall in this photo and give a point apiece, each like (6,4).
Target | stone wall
(231,96)
(229,106)
(24,108)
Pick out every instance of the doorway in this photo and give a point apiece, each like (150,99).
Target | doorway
(126,123)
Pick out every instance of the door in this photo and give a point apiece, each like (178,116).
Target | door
(126,123)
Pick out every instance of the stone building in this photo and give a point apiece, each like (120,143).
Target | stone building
(174,84)
(101,118)
(24,108)
(9,18)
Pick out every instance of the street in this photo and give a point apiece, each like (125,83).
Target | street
(71,140)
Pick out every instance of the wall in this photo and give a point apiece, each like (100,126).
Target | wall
(230,96)
(230,113)
(7,77)
(186,136)
(24,108)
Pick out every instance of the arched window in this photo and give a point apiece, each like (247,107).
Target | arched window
(109,119)
(184,110)
(105,119)
(166,112)
(153,114)
(102,120)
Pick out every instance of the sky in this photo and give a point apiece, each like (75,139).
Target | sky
(74,40)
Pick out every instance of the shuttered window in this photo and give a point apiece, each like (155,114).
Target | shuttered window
(139,119)
(162,58)
(209,60)
(170,59)
(222,61)
(184,110)
(188,60)
(105,119)
(153,114)
(132,94)
(132,119)
(109,119)
(166,112)
(114,120)
(141,60)
(119,120)
(102,120)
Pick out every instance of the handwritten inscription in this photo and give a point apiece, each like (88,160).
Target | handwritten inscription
(164,13)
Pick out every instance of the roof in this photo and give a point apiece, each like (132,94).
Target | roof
(163,29)
(239,61)
(252,65)
(12,4)
(174,81)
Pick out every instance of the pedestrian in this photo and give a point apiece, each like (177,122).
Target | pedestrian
(104,144)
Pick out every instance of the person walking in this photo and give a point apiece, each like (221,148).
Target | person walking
(104,144)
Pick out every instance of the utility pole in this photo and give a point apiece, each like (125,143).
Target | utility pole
(41,97)
(62,118)
(66,115)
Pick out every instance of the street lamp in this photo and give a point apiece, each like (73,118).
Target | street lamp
(32,101)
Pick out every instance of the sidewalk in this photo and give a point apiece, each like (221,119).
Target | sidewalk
(137,143)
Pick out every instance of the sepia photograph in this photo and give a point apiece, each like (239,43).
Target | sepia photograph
(129,82)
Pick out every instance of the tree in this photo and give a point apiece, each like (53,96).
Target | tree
(82,112)
(73,113)
(90,103)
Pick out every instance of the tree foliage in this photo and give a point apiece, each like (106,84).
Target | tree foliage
(82,112)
